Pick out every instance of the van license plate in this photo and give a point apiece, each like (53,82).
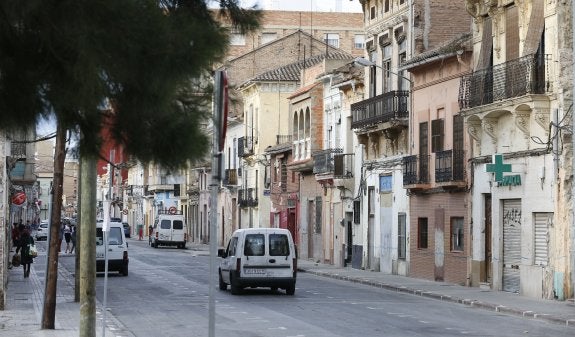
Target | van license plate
(255,271)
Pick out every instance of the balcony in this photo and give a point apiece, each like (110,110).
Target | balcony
(230,177)
(387,107)
(18,150)
(246,146)
(450,168)
(416,172)
(247,197)
(526,75)
(333,163)
(283,139)
(323,161)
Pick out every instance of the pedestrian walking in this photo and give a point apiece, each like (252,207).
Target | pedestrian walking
(67,236)
(26,258)
(73,239)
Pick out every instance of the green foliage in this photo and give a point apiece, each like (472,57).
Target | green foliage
(146,57)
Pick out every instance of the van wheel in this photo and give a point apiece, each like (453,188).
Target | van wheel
(290,290)
(223,285)
(235,288)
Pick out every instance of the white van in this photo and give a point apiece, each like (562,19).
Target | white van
(117,248)
(169,229)
(259,257)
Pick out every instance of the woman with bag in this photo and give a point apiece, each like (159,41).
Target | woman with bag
(25,248)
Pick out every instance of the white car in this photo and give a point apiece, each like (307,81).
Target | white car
(117,248)
(42,231)
(259,257)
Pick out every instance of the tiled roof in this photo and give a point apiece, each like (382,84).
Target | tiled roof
(461,42)
(291,72)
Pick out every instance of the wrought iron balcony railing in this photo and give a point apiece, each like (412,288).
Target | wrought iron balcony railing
(230,177)
(246,146)
(283,139)
(386,107)
(416,170)
(18,150)
(247,197)
(323,160)
(530,74)
(449,166)
(343,166)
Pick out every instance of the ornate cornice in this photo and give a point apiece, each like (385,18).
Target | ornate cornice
(474,130)
(522,123)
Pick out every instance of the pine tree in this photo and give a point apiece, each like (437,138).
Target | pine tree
(72,58)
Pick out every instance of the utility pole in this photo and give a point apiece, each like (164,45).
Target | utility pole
(49,310)
(77,242)
(87,240)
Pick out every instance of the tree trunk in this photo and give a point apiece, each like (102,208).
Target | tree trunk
(87,240)
(49,311)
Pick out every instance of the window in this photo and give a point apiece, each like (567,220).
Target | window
(437,135)
(356,211)
(268,37)
(359,41)
(387,6)
(284,174)
(422,233)
(386,65)
(332,39)
(279,245)
(232,246)
(457,234)
(372,13)
(254,245)
(178,224)
(401,236)
(237,39)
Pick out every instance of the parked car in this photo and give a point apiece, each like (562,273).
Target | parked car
(259,257)
(126,229)
(42,231)
(117,248)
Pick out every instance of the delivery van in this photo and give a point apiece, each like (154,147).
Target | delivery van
(169,229)
(259,257)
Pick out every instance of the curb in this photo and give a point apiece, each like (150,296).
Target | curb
(446,298)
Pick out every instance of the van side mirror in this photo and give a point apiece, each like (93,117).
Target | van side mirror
(222,253)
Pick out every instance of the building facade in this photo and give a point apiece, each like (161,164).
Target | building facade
(516,103)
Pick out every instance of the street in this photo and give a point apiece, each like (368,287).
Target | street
(166,294)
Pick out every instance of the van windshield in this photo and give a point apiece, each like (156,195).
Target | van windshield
(114,236)
(279,245)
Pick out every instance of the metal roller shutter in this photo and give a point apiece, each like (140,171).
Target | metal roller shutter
(512,218)
(541,237)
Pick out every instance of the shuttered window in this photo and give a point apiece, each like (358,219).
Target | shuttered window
(541,236)
(401,236)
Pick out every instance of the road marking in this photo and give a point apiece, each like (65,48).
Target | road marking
(278,328)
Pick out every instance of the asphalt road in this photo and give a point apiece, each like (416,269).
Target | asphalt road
(166,294)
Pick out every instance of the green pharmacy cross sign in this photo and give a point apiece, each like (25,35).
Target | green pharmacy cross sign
(498,168)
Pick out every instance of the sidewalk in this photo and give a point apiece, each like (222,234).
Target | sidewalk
(24,304)
(558,312)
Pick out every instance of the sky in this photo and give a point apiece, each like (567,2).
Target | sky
(351,6)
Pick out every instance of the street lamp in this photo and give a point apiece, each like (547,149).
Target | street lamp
(362,61)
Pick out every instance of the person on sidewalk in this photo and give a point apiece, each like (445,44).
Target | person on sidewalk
(60,238)
(26,258)
(15,235)
(67,237)
(73,239)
